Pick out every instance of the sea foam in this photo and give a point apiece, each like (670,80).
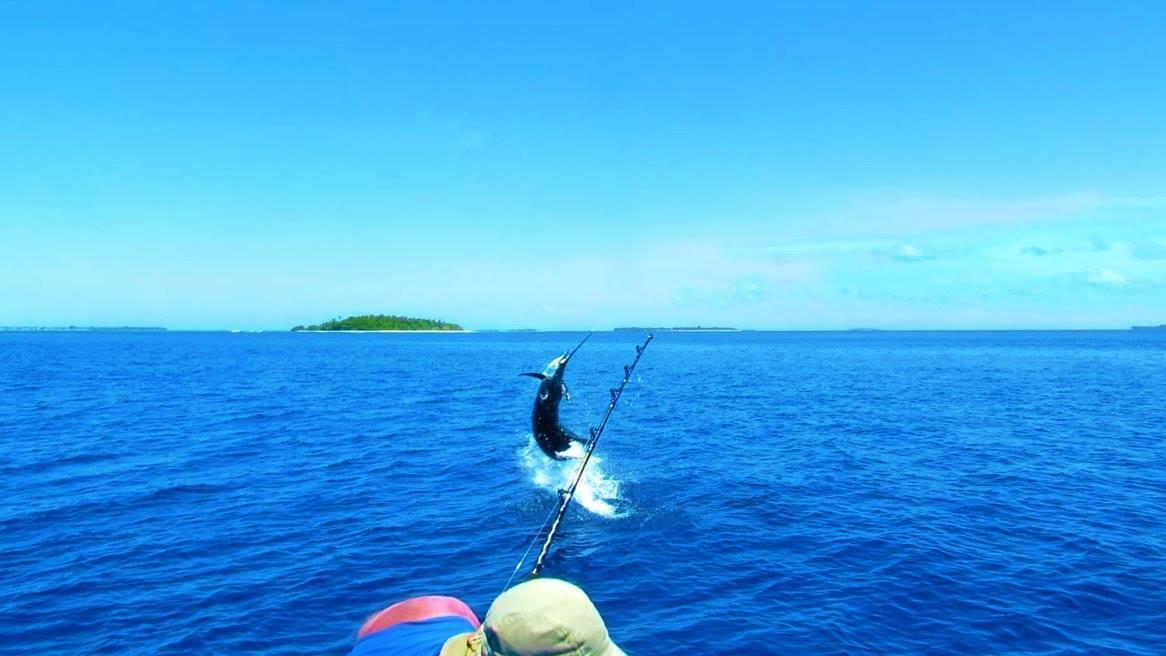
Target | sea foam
(597,492)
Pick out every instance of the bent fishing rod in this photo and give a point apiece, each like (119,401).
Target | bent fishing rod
(596,433)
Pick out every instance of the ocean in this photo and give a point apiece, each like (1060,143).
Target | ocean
(809,493)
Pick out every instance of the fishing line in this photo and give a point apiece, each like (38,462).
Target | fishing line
(518,565)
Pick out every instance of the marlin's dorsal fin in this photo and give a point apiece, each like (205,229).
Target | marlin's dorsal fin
(535,375)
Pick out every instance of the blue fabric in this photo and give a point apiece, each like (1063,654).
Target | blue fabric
(412,638)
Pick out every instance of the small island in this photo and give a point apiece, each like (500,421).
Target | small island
(378,323)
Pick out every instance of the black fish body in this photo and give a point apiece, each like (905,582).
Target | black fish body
(550,435)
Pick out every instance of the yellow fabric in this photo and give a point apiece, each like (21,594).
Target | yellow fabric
(545,617)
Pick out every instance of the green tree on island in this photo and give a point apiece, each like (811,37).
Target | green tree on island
(381,322)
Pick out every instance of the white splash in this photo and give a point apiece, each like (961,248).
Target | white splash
(596,492)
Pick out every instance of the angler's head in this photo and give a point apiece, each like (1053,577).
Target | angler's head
(538,617)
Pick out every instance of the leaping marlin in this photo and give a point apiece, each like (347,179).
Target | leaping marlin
(552,438)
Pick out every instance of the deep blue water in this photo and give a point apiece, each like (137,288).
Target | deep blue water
(814,493)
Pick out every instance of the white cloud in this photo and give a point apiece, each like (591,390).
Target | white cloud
(911,253)
(1106,277)
(914,215)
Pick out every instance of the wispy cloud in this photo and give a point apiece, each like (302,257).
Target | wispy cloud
(1105,277)
(880,249)
(919,215)
(1084,273)
(912,253)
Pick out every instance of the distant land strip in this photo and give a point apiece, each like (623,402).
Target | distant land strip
(380,322)
(135,329)
(679,329)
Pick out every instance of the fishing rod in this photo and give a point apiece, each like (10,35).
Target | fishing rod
(596,432)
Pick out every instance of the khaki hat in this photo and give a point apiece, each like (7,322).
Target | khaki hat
(541,617)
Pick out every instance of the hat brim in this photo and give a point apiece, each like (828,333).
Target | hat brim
(461,645)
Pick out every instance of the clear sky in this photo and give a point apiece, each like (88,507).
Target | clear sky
(584,165)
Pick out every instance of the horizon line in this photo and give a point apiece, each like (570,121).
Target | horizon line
(73,328)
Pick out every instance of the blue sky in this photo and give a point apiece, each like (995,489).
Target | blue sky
(584,165)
